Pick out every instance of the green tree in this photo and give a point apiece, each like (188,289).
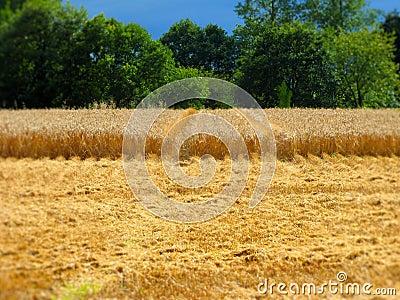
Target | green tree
(12,4)
(285,95)
(51,55)
(349,15)
(269,11)
(219,52)
(34,49)
(184,39)
(183,73)
(365,70)
(122,63)
(346,14)
(209,48)
(392,26)
(292,55)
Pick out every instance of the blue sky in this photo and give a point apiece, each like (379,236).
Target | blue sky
(158,15)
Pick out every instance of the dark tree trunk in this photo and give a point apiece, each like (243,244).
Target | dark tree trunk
(273,11)
(359,96)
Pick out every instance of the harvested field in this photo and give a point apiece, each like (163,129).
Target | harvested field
(71,229)
(99,133)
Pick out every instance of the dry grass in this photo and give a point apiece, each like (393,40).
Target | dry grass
(99,133)
(71,229)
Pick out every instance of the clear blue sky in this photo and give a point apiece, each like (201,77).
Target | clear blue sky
(158,15)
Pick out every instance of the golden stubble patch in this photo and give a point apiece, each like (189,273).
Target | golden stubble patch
(70,224)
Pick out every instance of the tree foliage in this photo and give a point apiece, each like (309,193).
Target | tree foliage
(292,55)
(288,53)
(51,55)
(209,48)
(12,4)
(269,11)
(392,26)
(365,71)
(346,14)
(122,62)
(35,51)
(284,95)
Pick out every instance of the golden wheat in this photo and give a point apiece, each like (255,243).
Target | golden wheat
(99,133)
(75,223)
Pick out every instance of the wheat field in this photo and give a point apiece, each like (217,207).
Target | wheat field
(71,228)
(99,133)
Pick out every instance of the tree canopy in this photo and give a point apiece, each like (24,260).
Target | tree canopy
(365,70)
(392,26)
(51,55)
(288,53)
(292,56)
(345,14)
(208,48)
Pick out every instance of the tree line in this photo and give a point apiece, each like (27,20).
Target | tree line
(288,53)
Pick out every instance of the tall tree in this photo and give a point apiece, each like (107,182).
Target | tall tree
(269,11)
(289,58)
(185,39)
(346,14)
(365,70)
(33,50)
(209,48)
(392,26)
(219,52)
(349,15)
(51,55)
(122,63)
